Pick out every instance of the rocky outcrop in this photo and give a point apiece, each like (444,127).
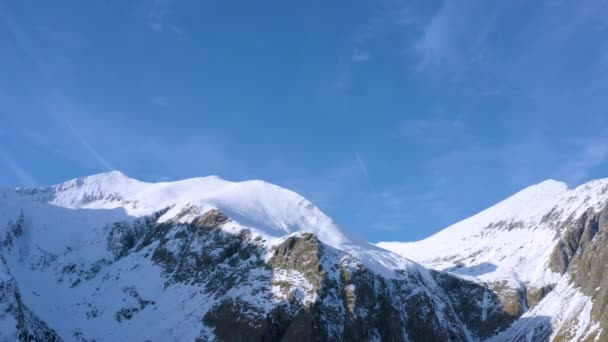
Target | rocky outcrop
(535,294)
(17,322)
(304,290)
(298,290)
(582,252)
(478,305)
(346,303)
(301,254)
(13,232)
(329,296)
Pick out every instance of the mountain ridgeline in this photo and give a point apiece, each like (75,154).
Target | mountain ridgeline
(107,257)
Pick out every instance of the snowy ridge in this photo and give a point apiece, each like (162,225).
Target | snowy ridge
(268,210)
(511,240)
(273,210)
(513,247)
(115,254)
(230,260)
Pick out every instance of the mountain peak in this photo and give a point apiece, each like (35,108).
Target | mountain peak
(552,184)
(114,174)
(271,210)
(505,260)
(201,255)
(111,177)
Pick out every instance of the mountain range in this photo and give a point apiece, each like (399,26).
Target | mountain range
(110,258)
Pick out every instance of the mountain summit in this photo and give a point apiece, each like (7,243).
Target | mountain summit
(544,250)
(107,257)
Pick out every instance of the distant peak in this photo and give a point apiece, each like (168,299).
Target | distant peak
(109,174)
(552,184)
(99,181)
(543,191)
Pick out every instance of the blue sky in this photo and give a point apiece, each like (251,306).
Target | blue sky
(396,118)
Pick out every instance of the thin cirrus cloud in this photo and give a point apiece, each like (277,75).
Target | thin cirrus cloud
(364,171)
(160,101)
(455,38)
(361,56)
(25,44)
(161,18)
(24,177)
(157,14)
(465,42)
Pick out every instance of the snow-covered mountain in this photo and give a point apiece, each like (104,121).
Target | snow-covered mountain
(107,258)
(544,251)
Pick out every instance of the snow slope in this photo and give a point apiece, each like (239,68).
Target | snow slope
(91,259)
(268,210)
(564,308)
(511,240)
(113,254)
(511,246)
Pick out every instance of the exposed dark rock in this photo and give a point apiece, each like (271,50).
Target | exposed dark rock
(477,305)
(569,243)
(513,300)
(348,302)
(303,254)
(124,236)
(13,232)
(239,321)
(28,326)
(589,267)
(372,307)
(535,294)
(505,225)
(139,304)
(212,219)
(583,254)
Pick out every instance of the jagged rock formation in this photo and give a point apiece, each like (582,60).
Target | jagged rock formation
(305,290)
(210,260)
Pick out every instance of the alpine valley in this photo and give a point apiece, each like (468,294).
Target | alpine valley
(110,258)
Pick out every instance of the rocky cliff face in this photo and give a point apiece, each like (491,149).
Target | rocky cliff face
(253,262)
(582,253)
(299,289)
(17,321)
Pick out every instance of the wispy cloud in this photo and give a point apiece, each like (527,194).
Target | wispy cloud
(160,101)
(361,56)
(97,156)
(59,109)
(160,15)
(22,175)
(435,46)
(364,171)
(157,14)
(455,37)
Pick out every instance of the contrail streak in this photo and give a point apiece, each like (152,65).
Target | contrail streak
(364,170)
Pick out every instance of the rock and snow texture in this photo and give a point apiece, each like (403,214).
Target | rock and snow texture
(108,258)
(266,209)
(526,248)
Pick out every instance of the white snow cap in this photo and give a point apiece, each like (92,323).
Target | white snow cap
(267,207)
(511,240)
(268,210)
